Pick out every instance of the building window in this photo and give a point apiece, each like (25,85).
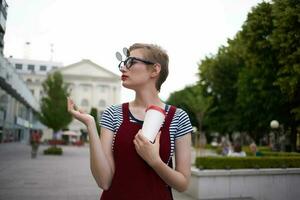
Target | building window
(30,67)
(43,68)
(29,80)
(102,103)
(84,102)
(32,91)
(103,88)
(19,66)
(86,87)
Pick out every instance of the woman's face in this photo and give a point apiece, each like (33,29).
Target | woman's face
(139,73)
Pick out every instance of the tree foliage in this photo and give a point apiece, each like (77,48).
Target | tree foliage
(193,102)
(54,112)
(256,77)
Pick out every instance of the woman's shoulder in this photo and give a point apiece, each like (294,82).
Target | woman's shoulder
(179,112)
(113,108)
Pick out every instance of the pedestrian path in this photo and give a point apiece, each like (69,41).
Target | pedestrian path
(66,177)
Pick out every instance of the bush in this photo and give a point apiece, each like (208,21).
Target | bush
(281,154)
(274,154)
(247,162)
(264,148)
(53,151)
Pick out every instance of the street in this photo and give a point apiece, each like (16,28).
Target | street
(66,177)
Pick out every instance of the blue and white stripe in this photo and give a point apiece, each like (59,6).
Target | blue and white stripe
(180,125)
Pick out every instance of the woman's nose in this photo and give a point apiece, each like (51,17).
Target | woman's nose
(123,68)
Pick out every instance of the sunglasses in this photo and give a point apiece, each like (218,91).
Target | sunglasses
(130,61)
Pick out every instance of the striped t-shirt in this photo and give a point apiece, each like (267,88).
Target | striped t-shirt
(112,118)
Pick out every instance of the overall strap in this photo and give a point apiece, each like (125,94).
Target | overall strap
(170,116)
(125,111)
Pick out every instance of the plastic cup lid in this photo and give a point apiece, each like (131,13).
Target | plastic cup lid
(156,108)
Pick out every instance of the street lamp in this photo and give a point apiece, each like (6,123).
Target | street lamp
(274,124)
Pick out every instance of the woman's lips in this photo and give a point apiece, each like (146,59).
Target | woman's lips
(124,77)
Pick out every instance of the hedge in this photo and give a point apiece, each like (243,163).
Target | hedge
(275,154)
(247,162)
(53,151)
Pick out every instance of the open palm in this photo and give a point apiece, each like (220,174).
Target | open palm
(79,114)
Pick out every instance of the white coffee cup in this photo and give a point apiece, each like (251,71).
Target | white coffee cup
(153,121)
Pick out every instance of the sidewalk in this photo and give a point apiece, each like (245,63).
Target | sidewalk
(66,177)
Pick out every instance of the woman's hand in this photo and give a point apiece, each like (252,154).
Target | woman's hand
(79,114)
(148,151)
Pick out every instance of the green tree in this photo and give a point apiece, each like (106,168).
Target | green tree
(256,89)
(94,113)
(193,102)
(178,99)
(54,112)
(218,78)
(285,40)
(244,77)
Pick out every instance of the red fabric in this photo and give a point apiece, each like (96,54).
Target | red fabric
(134,179)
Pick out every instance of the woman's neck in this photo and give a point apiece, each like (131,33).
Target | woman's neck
(145,98)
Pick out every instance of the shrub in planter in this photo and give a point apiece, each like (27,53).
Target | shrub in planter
(53,151)
(247,162)
(274,154)
(281,154)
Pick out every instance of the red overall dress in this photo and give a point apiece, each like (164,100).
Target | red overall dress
(134,179)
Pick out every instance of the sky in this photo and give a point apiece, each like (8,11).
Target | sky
(188,30)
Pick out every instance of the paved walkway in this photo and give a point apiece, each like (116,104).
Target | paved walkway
(66,177)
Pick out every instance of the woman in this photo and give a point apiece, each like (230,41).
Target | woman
(123,162)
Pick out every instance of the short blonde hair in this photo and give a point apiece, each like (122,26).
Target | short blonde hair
(155,54)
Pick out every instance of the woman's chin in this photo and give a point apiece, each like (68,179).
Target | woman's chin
(128,86)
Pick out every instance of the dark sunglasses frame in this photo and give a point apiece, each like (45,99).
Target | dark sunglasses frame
(131,61)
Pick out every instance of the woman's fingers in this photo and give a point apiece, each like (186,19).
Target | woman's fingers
(81,111)
(140,140)
(71,104)
(72,108)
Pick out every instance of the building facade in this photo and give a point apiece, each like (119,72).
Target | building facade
(34,73)
(18,107)
(90,85)
(3,16)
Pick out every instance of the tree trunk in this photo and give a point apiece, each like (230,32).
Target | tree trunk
(54,138)
(293,139)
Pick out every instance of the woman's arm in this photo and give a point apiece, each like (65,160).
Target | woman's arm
(101,158)
(178,178)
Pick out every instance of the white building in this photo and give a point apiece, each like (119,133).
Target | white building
(90,84)
(34,72)
(18,107)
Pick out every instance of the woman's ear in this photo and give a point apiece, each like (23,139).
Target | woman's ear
(156,70)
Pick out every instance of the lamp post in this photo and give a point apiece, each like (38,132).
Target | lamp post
(274,124)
